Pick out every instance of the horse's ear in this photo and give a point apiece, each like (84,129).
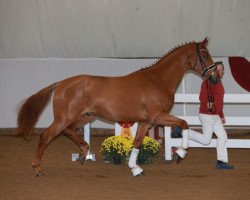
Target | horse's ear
(204,43)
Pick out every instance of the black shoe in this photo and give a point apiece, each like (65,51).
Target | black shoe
(223,165)
(176,133)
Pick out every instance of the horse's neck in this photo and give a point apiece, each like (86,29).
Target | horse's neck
(170,73)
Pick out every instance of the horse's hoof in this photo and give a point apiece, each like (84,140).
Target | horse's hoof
(82,160)
(137,171)
(141,174)
(168,161)
(180,155)
(39,174)
(178,159)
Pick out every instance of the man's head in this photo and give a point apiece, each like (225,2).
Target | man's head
(219,73)
(220,68)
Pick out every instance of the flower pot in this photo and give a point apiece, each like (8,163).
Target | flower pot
(117,160)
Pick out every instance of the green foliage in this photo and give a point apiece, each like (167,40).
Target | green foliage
(117,149)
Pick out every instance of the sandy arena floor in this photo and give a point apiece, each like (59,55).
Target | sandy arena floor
(194,178)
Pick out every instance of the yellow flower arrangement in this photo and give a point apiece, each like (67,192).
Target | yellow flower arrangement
(117,149)
(148,150)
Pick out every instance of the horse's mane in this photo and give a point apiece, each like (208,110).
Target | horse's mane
(171,51)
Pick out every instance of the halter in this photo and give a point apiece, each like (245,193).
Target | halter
(203,65)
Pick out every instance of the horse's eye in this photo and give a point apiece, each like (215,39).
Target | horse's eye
(205,57)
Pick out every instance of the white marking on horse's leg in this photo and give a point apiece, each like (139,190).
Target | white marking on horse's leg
(133,157)
(136,170)
(184,144)
(181,152)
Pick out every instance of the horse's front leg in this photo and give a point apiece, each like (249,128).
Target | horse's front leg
(140,133)
(169,120)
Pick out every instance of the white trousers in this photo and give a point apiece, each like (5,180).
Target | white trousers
(212,124)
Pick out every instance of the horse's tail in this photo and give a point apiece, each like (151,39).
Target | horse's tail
(31,109)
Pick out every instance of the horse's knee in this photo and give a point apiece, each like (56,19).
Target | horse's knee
(137,142)
(184,125)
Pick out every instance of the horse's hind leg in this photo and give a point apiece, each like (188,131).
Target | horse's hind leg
(71,132)
(46,137)
(84,146)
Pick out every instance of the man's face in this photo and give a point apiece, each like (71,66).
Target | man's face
(220,69)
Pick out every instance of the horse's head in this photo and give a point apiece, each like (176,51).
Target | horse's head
(204,63)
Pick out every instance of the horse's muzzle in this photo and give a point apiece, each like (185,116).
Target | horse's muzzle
(213,78)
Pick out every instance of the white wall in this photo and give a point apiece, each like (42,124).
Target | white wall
(20,78)
(119,28)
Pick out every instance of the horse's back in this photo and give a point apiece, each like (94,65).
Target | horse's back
(112,98)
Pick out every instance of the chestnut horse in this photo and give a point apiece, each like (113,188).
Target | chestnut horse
(145,96)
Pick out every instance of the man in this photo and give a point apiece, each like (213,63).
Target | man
(212,119)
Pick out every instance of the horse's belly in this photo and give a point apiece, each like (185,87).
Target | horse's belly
(118,109)
(117,99)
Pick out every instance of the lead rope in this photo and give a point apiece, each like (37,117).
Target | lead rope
(210,99)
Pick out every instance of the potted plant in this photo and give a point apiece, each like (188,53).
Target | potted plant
(117,149)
